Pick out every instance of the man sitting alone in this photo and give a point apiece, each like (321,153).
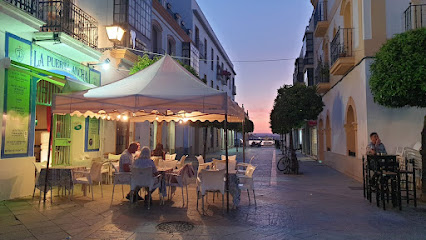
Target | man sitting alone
(375,147)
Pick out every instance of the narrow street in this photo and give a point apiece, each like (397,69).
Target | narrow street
(321,203)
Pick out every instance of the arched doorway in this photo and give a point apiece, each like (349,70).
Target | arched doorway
(351,128)
(328,133)
(321,140)
(157,45)
(171,46)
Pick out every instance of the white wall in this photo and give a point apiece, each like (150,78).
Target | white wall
(397,127)
(336,101)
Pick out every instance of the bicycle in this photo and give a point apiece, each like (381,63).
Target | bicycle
(284,163)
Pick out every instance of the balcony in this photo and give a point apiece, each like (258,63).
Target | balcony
(415,17)
(65,16)
(342,58)
(21,15)
(320,19)
(28,6)
(322,77)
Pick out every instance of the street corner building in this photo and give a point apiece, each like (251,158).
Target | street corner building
(339,45)
(51,47)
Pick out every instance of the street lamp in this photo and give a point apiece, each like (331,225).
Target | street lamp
(115,33)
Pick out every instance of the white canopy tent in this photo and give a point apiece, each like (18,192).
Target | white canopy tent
(164,91)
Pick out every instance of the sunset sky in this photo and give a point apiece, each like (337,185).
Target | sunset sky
(277,34)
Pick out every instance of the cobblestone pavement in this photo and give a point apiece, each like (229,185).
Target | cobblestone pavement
(318,204)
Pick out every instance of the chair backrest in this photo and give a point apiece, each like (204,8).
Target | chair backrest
(170,156)
(399,151)
(417,146)
(200,159)
(251,159)
(249,171)
(230,157)
(96,171)
(187,172)
(141,177)
(168,164)
(116,166)
(201,167)
(182,159)
(221,164)
(212,180)
(156,160)
(114,157)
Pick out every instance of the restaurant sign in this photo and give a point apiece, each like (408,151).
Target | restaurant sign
(25,52)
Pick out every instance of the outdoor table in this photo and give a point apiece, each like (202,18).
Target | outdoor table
(382,170)
(59,176)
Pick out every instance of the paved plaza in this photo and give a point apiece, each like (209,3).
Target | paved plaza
(321,203)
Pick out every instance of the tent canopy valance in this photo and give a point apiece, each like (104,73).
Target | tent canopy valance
(164,91)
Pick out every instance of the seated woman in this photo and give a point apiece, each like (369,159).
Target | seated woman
(145,161)
(159,152)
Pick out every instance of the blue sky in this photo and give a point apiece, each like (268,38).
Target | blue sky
(251,30)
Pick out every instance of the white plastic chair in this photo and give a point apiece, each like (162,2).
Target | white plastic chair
(230,157)
(114,157)
(246,182)
(241,167)
(180,179)
(170,156)
(221,165)
(142,178)
(120,178)
(210,181)
(88,177)
(200,159)
(168,164)
(181,162)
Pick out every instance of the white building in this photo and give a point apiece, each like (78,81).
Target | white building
(348,33)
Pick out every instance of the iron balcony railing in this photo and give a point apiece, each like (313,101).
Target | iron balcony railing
(322,73)
(415,17)
(65,16)
(342,44)
(29,6)
(320,13)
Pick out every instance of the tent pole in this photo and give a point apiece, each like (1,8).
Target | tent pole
(48,157)
(244,142)
(227,161)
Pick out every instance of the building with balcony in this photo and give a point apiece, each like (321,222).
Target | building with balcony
(347,35)
(45,48)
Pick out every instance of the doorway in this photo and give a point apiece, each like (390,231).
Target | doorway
(122,136)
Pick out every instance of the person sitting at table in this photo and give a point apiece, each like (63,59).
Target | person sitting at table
(145,161)
(375,147)
(159,152)
(138,152)
(126,158)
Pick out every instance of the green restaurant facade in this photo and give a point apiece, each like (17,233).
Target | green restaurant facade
(30,74)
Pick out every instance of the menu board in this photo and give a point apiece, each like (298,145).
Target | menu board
(92,134)
(17,113)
